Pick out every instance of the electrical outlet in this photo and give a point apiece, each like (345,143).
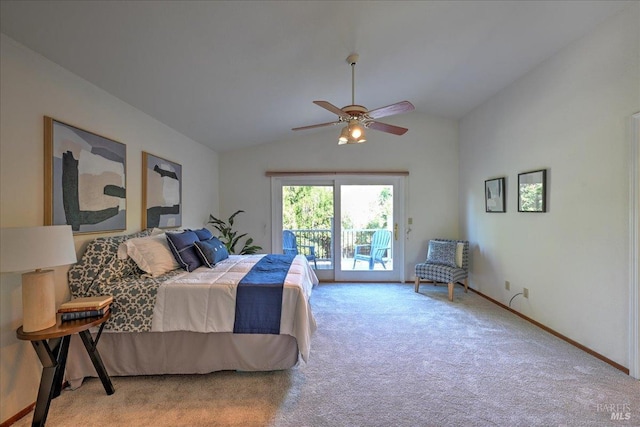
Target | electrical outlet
(507,285)
(525,293)
(410,221)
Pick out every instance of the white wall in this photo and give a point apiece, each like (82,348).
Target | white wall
(32,87)
(429,151)
(568,115)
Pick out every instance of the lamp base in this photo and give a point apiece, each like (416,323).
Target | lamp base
(38,300)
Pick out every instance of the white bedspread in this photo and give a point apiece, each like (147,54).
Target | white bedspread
(205,300)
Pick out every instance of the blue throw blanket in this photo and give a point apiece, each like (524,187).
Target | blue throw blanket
(259,296)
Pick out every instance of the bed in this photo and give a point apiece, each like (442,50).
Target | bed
(167,320)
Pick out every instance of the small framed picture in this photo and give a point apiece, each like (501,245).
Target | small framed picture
(494,195)
(532,191)
(161,192)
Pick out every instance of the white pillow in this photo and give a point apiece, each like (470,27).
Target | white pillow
(155,231)
(152,254)
(459,251)
(122,248)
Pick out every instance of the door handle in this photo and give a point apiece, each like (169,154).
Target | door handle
(395,231)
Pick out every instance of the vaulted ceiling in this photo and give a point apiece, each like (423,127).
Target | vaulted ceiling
(233,74)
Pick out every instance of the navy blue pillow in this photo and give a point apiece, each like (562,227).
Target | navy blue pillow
(182,246)
(203,234)
(211,251)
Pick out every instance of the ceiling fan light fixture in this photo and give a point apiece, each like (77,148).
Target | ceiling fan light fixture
(344,136)
(360,140)
(353,133)
(356,131)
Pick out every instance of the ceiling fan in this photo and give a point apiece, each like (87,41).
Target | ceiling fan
(358,118)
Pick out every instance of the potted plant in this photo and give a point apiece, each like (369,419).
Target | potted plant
(230,237)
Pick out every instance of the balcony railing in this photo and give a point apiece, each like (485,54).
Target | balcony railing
(322,241)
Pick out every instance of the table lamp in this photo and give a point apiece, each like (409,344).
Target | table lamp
(36,248)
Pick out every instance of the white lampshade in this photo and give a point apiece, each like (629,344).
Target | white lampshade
(36,248)
(31,248)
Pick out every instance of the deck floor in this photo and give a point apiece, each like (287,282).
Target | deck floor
(347,264)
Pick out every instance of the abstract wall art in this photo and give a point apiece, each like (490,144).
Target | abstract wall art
(494,195)
(85,179)
(161,192)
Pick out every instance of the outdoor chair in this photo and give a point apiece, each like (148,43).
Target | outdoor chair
(447,262)
(373,252)
(290,247)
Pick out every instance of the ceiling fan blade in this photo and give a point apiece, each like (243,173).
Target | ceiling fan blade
(329,106)
(390,110)
(316,126)
(384,127)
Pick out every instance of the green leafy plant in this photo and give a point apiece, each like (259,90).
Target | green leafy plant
(230,237)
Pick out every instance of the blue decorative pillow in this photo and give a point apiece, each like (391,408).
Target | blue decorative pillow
(211,251)
(203,234)
(182,246)
(443,253)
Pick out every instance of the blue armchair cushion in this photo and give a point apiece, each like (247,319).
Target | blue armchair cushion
(211,251)
(443,253)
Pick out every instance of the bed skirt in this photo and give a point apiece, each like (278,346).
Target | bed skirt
(158,353)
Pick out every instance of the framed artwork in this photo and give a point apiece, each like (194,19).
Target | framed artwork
(161,192)
(84,179)
(532,191)
(494,195)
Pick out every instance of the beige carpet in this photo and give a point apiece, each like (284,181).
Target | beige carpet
(384,356)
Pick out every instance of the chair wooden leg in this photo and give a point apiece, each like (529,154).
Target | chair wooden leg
(450,291)
(417,284)
(466,286)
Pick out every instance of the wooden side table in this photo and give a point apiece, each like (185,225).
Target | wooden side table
(52,347)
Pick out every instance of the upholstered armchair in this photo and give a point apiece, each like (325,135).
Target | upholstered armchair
(447,262)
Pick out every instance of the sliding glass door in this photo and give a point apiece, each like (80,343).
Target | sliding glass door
(347,226)
(370,212)
(307,219)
